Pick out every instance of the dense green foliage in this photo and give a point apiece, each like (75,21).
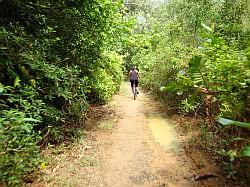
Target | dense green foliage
(56,57)
(195,55)
(196,46)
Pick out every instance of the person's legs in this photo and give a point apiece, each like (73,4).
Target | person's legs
(132,85)
(136,86)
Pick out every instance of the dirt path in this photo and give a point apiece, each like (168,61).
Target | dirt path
(137,146)
(134,157)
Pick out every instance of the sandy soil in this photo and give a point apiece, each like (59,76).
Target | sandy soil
(131,155)
(122,151)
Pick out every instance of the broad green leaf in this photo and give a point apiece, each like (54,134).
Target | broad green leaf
(170,87)
(196,72)
(195,61)
(228,122)
(246,151)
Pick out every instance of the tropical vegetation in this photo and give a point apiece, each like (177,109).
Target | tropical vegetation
(57,57)
(195,56)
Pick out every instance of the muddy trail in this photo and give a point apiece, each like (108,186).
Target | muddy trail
(132,145)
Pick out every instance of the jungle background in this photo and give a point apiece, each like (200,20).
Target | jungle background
(60,57)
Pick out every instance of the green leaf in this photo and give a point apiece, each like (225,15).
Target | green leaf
(31,120)
(232,154)
(228,122)
(171,87)
(196,72)
(2,119)
(206,27)
(16,83)
(246,151)
(194,62)
(26,127)
(162,88)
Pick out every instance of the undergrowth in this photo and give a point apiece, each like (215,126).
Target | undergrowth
(56,58)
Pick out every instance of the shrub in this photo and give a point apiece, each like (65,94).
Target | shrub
(18,145)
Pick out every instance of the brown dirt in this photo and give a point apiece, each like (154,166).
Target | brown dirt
(122,151)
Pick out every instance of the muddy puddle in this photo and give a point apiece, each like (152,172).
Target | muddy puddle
(163,132)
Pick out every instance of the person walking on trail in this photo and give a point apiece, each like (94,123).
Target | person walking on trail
(133,78)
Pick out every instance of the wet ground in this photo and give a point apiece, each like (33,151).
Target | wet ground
(163,131)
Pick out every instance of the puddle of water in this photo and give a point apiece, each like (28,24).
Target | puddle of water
(164,132)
